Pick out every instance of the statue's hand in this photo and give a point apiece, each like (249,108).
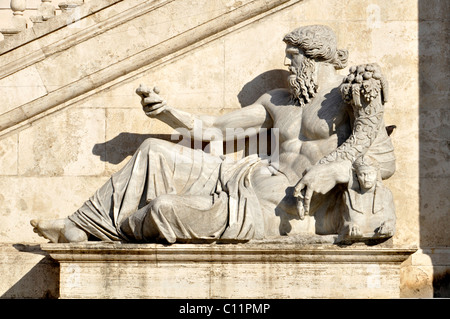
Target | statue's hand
(152,103)
(320,178)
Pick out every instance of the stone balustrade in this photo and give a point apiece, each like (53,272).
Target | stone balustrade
(23,16)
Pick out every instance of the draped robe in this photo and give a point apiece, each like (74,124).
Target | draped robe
(187,194)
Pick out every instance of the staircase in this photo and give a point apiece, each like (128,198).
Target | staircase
(66,57)
(23,14)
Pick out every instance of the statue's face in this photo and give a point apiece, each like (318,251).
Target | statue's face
(367,178)
(301,80)
(294,57)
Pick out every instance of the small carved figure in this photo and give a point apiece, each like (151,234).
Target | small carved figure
(369,206)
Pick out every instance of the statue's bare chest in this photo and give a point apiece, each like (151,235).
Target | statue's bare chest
(304,123)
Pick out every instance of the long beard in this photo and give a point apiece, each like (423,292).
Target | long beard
(302,83)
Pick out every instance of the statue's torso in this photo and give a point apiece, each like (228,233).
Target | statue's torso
(306,134)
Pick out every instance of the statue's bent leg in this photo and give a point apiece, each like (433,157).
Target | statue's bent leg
(184,218)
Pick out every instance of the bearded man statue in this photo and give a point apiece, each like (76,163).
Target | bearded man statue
(171,193)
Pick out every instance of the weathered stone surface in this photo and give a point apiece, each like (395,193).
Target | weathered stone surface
(107,270)
(62,145)
(20,202)
(95,69)
(425,274)
(8,155)
(20,88)
(27,272)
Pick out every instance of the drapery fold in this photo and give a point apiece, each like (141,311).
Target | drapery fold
(186,194)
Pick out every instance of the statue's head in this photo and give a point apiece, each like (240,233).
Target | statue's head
(307,46)
(367,170)
(318,42)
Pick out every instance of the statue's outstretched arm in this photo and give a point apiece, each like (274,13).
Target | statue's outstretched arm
(233,125)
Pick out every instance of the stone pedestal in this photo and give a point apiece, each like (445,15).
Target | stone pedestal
(252,270)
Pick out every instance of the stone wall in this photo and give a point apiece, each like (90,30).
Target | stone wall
(54,159)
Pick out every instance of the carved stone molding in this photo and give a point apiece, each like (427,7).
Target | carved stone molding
(115,270)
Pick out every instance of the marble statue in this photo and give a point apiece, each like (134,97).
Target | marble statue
(330,133)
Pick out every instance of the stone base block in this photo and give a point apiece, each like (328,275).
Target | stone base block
(26,272)
(117,270)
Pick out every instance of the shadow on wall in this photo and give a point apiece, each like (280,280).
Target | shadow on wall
(41,282)
(123,145)
(434,137)
(263,83)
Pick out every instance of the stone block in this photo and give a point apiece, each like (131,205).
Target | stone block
(405,140)
(8,155)
(31,50)
(31,273)
(406,201)
(433,10)
(261,57)
(62,144)
(180,79)
(20,88)
(26,198)
(425,274)
(115,270)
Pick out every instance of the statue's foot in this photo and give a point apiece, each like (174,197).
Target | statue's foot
(49,229)
(386,229)
(58,230)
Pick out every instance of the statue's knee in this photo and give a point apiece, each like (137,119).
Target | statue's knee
(161,204)
(148,143)
(156,145)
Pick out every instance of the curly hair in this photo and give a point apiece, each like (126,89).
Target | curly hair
(318,42)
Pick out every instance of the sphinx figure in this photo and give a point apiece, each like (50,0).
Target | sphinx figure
(369,206)
(171,193)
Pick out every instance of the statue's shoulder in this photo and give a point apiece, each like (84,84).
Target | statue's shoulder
(275,97)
